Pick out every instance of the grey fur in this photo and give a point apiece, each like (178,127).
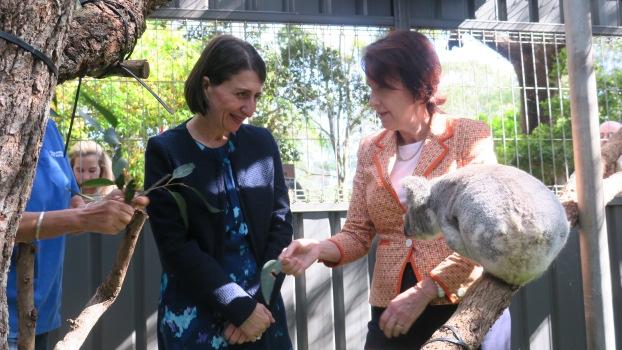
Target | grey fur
(496,215)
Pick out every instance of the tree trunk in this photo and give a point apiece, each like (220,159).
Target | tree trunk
(26,88)
(98,37)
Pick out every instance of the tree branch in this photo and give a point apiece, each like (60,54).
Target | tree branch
(25,295)
(97,39)
(488,297)
(108,291)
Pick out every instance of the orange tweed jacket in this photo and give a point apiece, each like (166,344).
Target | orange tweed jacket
(375,210)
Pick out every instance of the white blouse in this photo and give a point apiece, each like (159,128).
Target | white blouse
(406,161)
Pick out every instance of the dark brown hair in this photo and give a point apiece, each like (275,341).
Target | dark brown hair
(223,57)
(409,57)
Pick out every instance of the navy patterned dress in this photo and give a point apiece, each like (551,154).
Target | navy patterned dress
(184,325)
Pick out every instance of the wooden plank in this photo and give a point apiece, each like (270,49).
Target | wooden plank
(319,288)
(339,320)
(567,303)
(300,289)
(356,300)
(614,230)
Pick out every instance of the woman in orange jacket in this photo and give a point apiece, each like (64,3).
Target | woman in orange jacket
(416,284)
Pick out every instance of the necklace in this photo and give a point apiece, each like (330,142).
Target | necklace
(402,159)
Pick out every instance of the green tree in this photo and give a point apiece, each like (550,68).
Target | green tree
(324,86)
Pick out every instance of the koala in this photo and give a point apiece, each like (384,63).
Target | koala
(499,216)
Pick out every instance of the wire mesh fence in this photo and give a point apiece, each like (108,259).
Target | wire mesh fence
(315,96)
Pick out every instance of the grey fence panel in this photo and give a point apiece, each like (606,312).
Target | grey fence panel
(328,309)
(614,226)
(151,287)
(319,288)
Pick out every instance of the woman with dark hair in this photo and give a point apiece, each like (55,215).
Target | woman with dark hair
(211,259)
(416,284)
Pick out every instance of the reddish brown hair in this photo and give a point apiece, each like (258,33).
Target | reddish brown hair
(409,57)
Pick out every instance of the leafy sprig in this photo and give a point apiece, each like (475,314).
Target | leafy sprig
(128,186)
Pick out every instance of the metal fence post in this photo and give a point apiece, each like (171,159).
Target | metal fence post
(595,266)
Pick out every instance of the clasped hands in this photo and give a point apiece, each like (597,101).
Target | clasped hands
(251,329)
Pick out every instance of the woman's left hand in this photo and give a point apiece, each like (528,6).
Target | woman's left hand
(234,335)
(405,308)
(139,202)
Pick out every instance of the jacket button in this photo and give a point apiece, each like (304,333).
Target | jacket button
(409,242)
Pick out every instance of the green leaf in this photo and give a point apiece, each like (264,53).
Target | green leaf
(120,180)
(110,136)
(90,121)
(268,276)
(130,190)
(209,207)
(118,163)
(181,204)
(97,182)
(110,117)
(183,171)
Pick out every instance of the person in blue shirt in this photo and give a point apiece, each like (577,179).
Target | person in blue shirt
(54,210)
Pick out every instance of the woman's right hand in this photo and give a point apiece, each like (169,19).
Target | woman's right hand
(299,255)
(257,322)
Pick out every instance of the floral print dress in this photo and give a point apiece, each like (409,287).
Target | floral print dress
(184,325)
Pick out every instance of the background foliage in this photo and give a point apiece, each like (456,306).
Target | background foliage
(315,98)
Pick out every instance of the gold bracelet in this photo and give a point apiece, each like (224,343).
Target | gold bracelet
(38,225)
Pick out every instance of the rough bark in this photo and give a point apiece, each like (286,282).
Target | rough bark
(25,296)
(26,87)
(488,297)
(108,291)
(98,38)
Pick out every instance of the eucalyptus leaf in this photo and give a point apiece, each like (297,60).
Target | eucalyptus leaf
(90,121)
(183,171)
(110,136)
(107,113)
(130,190)
(181,204)
(268,276)
(119,163)
(97,182)
(120,180)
